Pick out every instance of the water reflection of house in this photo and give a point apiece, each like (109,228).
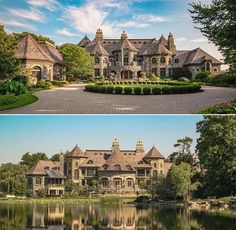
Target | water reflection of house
(51,217)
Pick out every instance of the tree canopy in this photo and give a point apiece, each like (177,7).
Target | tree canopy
(77,61)
(217,21)
(31,159)
(216,149)
(184,153)
(9,64)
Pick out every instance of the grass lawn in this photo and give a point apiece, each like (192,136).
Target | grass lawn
(11,101)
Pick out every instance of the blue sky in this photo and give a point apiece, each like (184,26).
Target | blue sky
(50,134)
(69,20)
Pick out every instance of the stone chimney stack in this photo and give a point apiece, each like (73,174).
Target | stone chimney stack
(116,144)
(61,160)
(99,35)
(171,43)
(124,35)
(139,147)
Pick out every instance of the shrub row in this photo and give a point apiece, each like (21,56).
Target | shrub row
(141,83)
(59,83)
(143,90)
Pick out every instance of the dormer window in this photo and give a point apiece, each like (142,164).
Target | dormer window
(140,162)
(117,167)
(47,168)
(128,167)
(105,167)
(90,162)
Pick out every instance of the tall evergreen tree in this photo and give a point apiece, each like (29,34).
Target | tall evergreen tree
(9,64)
(217,21)
(216,148)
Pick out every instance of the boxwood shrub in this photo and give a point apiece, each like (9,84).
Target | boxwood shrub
(128,90)
(166,90)
(109,89)
(156,90)
(102,89)
(137,90)
(147,90)
(118,89)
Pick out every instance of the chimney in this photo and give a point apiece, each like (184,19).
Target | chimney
(99,35)
(171,43)
(124,35)
(116,144)
(139,147)
(61,160)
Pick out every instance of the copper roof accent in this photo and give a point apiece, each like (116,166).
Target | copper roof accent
(84,42)
(52,51)
(96,47)
(29,48)
(41,166)
(163,41)
(154,153)
(76,152)
(197,56)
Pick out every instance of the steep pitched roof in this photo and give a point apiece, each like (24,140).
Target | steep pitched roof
(96,48)
(39,168)
(154,47)
(124,44)
(52,51)
(197,56)
(163,41)
(154,153)
(29,48)
(84,42)
(76,152)
(54,173)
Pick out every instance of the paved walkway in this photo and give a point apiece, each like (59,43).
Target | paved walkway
(73,100)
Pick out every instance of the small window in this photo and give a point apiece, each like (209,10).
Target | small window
(176,60)
(117,167)
(105,167)
(38,180)
(163,60)
(215,70)
(197,70)
(105,60)
(169,61)
(97,60)
(90,162)
(76,164)
(128,167)
(154,61)
(155,165)
(140,162)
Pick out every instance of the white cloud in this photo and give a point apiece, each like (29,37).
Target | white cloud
(150,18)
(181,39)
(31,14)
(199,40)
(47,4)
(18,24)
(66,32)
(88,18)
(132,24)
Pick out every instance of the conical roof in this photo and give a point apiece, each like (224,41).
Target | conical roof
(97,48)
(76,152)
(29,48)
(154,153)
(84,42)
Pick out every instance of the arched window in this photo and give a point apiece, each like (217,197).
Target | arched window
(128,167)
(97,60)
(76,174)
(154,173)
(105,60)
(197,70)
(163,60)
(37,72)
(76,164)
(130,182)
(69,173)
(208,66)
(117,167)
(140,162)
(90,162)
(215,70)
(154,61)
(155,165)
(105,167)
(105,182)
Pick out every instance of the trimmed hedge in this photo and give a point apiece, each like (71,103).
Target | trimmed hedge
(178,89)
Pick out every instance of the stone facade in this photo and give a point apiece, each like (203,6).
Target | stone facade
(126,58)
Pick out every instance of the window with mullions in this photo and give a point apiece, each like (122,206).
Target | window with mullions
(126,56)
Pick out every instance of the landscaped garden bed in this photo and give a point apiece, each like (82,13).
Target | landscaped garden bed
(143,88)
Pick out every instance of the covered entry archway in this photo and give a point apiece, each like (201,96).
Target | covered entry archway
(126,74)
(37,72)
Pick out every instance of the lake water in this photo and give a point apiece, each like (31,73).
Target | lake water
(81,217)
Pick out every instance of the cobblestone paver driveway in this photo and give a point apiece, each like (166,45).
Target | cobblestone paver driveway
(73,100)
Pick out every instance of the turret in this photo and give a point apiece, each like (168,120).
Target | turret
(139,147)
(99,35)
(124,35)
(171,43)
(116,145)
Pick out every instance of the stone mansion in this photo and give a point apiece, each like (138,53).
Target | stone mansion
(122,58)
(115,170)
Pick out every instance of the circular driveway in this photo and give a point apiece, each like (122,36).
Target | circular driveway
(73,100)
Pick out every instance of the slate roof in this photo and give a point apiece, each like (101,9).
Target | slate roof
(39,168)
(154,153)
(54,174)
(29,48)
(96,48)
(84,42)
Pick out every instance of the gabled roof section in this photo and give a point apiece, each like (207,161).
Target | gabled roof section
(96,48)
(29,48)
(84,42)
(76,152)
(54,174)
(163,40)
(39,168)
(154,153)
(197,56)
(154,47)
(124,44)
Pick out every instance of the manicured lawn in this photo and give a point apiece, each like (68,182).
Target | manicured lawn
(11,101)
